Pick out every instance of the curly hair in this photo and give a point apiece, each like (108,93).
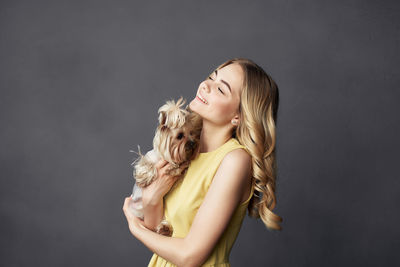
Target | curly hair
(258,110)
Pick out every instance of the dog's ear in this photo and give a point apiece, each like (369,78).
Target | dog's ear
(162,117)
(164,111)
(171,114)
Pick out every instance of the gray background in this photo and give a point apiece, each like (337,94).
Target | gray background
(81,82)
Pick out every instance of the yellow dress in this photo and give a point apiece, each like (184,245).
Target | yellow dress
(184,199)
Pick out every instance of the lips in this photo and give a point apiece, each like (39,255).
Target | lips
(202,99)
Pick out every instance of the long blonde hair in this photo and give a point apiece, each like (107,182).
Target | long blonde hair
(256,131)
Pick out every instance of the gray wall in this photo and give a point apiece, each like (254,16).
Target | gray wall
(81,82)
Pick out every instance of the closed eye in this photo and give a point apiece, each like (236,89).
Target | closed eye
(209,77)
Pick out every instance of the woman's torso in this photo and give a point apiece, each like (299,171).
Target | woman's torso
(184,199)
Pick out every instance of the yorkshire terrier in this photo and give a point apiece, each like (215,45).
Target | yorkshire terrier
(176,140)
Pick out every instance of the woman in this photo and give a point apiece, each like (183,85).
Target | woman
(238,106)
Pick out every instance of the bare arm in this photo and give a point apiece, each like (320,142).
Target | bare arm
(226,189)
(153,194)
(153,214)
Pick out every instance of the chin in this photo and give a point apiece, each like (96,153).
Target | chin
(193,106)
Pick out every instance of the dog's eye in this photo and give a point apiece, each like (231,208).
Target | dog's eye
(180,136)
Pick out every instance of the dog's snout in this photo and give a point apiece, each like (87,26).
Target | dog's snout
(191,143)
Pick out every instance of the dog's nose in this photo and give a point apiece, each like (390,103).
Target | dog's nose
(191,143)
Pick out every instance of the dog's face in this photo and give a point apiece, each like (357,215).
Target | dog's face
(176,136)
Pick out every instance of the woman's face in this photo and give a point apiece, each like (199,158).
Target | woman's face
(221,92)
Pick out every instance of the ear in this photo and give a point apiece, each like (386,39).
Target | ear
(162,117)
(235,121)
(163,112)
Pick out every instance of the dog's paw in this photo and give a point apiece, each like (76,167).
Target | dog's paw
(164,228)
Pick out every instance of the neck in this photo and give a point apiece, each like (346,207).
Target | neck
(213,136)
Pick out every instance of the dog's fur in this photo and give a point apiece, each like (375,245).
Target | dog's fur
(177,141)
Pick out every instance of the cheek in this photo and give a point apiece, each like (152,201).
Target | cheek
(223,110)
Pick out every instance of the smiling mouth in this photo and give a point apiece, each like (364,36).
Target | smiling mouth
(202,99)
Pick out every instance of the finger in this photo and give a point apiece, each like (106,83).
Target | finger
(126,202)
(161,163)
(167,166)
(125,207)
(170,180)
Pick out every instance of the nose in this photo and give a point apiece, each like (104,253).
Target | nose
(206,87)
(190,144)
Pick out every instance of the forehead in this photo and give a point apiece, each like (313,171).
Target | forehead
(232,74)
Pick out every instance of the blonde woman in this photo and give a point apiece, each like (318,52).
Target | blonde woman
(234,172)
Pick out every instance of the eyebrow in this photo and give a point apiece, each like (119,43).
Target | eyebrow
(227,84)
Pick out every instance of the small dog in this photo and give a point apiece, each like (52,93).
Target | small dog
(177,141)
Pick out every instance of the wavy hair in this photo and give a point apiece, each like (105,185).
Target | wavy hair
(258,110)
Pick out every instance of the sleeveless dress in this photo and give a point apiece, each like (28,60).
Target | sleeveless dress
(185,197)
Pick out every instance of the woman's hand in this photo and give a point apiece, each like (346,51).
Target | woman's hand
(134,222)
(153,193)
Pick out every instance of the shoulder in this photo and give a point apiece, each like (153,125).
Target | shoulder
(238,156)
(235,168)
